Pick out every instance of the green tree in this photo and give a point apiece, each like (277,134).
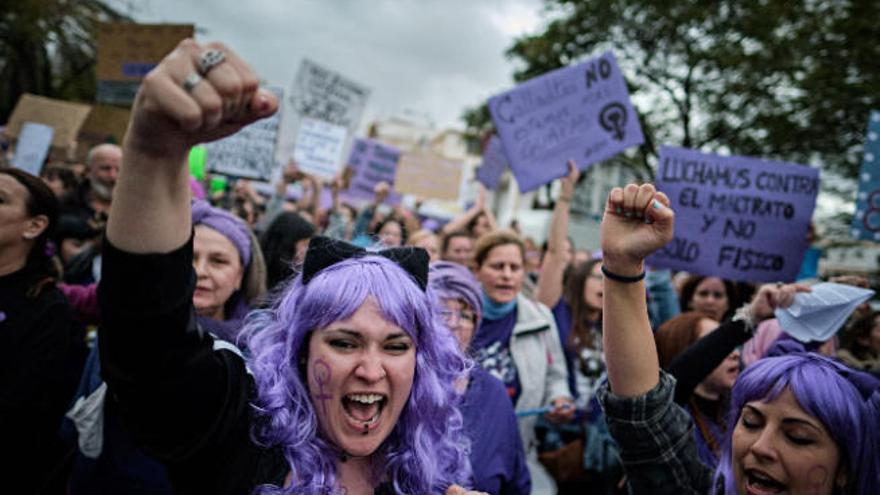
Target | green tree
(47,47)
(783,79)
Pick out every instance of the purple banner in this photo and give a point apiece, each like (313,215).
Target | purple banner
(736,217)
(581,113)
(372,162)
(494,162)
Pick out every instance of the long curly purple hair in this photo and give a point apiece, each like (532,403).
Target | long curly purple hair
(427,451)
(845,401)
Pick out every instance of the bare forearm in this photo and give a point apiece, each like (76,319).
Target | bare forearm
(150,210)
(630,354)
(550,282)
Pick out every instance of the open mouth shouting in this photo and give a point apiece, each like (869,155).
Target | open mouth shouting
(761,483)
(363,410)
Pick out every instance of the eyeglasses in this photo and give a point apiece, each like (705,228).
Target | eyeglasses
(711,293)
(456,318)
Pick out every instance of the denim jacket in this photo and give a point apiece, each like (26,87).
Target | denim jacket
(656,441)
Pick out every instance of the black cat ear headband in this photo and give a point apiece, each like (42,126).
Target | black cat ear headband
(324,251)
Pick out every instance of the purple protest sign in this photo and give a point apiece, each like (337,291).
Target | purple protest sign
(736,217)
(494,162)
(372,162)
(581,113)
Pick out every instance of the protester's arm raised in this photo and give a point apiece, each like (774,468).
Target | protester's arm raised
(150,211)
(550,288)
(637,222)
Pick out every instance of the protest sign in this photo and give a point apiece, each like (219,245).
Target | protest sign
(248,153)
(126,52)
(866,222)
(64,117)
(426,175)
(581,113)
(494,162)
(736,217)
(372,162)
(320,94)
(33,145)
(319,147)
(105,124)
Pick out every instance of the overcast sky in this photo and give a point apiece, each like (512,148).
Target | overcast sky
(431,58)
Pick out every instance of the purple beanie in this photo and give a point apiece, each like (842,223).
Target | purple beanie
(227,224)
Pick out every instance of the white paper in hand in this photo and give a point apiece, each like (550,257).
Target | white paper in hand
(816,316)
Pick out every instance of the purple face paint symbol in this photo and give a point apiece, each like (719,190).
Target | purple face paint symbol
(321,373)
(2,316)
(817,476)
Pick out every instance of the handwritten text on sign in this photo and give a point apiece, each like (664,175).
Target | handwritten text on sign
(866,222)
(319,147)
(372,162)
(737,217)
(250,152)
(581,113)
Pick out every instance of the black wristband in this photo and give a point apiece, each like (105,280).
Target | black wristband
(621,278)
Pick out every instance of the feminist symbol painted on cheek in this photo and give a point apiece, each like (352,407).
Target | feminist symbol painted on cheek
(322,374)
(817,476)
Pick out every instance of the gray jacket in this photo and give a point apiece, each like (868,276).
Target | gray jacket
(540,363)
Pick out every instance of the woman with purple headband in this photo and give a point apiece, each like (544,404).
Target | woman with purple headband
(799,423)
(497,457)
(348,387)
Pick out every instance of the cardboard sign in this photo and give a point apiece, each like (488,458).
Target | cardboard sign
(581,113)
(428,176)
(736,217)
(319,147)
(64,117)
(372,162)
(250,152)
(494,162)
(105,124)
(32,147)
(866,222)
(320,94)
(127,52)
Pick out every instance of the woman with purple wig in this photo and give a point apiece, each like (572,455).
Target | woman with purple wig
(497,456)
(349,387)
(799,424)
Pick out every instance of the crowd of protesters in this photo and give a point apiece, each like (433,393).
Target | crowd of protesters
(160,340)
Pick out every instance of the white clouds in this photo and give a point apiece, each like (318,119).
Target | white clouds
(434,57)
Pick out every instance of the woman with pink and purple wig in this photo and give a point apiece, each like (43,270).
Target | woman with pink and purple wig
(799,423)
(348,386)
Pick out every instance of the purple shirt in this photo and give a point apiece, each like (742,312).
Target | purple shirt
(497,456)
(490,348)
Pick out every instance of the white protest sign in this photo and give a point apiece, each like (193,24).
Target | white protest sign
(319,147)
(320,94)
(250,152)
(33,145)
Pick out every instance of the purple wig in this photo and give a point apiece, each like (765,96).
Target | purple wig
(830,392)
(427,451)
(453,281)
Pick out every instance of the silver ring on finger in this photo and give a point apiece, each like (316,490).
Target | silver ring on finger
(191,81)
(209,59)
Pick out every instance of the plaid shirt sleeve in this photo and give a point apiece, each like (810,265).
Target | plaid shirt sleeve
(656,441)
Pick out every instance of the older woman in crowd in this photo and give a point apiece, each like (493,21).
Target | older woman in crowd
(497,456)
(351,384)
(517,342)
